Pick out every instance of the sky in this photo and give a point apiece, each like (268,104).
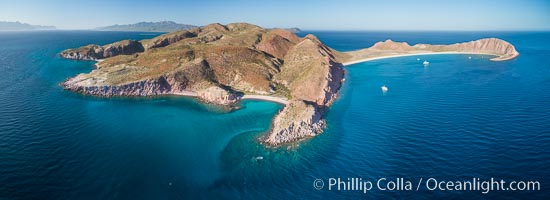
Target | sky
(464,15)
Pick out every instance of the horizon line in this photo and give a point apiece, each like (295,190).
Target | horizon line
(321,30)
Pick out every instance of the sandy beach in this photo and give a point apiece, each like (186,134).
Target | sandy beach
(186,93)
(411,54)
(266,98)
(257,97)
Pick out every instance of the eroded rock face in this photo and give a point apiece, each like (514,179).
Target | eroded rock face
(142,88)
(99,86)
(217,95)
(96,52)
(501,48)
(296,121)
(125,47)
(191,80)
(163,85)
(89,52)
(303,117)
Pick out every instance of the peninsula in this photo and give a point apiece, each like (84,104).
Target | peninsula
(222,64)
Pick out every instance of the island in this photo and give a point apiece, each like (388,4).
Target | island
(222,64)
(162,26)
(19,26)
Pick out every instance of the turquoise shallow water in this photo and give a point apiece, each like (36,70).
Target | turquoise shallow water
(456,119)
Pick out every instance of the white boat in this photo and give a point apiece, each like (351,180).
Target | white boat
(426,63)
(417,58)
(384,89)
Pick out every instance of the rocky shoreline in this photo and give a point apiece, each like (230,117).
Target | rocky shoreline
(304,116)
(155,87)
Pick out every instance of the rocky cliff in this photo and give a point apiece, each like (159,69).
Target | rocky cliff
(126,47)
(220,63)
(96,52)
(297,120)
(313,74)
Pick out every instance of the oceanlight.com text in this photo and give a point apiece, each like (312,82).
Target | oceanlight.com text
(483,186)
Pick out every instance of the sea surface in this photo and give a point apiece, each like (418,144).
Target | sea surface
(460,117)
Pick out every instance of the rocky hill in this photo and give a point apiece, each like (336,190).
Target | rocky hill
(221,63)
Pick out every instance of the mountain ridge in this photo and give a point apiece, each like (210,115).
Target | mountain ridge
(161,26)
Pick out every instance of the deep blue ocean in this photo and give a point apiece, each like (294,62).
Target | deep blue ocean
(459,118)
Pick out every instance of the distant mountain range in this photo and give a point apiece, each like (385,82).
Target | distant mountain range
(163,26)
(18,26)
(294,29)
